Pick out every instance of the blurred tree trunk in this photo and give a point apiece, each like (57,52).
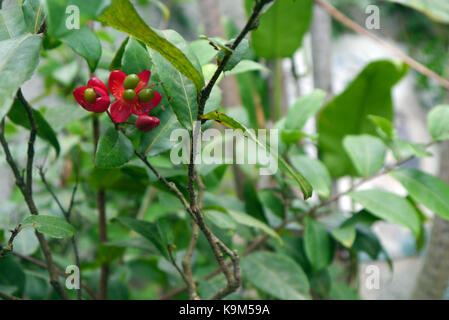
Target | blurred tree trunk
(434,277)
(321,30)
(210,13)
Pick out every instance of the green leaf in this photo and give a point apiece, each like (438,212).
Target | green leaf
(437,10)
(438,122)
(236,56)
(303,109)
(384,125)
(60,17)
(253,206)
(345,235)
(158,141)
(249,221)
(136,57)
(367,153)
(12,23)
(389,207)
(227,121)
(150,231)
(114,149)
(276,274)
(426,189)
(247,66)
(54,227)
(123,16)
(318,244)
(182,92)
(116,63)
(20,57)
(18,115)
(347,114)
(85,43)
(34,13)
(281,28)
(315,172)
(12,275)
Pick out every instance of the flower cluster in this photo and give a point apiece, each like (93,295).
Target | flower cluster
(132,94)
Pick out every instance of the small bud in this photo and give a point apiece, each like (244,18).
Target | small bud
(147,123)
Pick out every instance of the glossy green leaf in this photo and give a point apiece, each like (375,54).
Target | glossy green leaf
(227,121)
(437,10)
(20,57)
(438,122)
(276,274)
(318,244)
(253,206)
(366,152)
(303,109)
(150,231)
(426,189)
(347,114)
(281,28)
(62,15)
(249,221)
(114,149)
(345,235)
(389,207)
(315,172)
(34,13)
(54,227)
(85,43)
(136,57)
(158,140)
(12,23)
(236,56)
(12,275)
(182,92)
(123,16)
(18,115)
(116,63)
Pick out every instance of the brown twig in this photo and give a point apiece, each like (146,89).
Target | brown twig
(102,223)
(25,187)
(338,15)
(67,214)
(58,270)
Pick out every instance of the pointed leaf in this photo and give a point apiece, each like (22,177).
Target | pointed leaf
(54,227)
(114,149)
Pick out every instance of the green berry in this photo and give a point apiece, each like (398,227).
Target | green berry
(131,81)
(129,95)
(146,95)
(90,95)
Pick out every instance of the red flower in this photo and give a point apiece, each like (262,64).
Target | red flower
(135,99)
(94,97)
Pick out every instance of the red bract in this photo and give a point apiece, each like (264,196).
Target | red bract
(101,103)
(121,109)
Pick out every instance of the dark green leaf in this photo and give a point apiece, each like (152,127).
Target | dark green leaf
(347,114)
(11,274)
(276,274)
(318,244)
(114,149)
(54,227)
(123,16)
(18,115)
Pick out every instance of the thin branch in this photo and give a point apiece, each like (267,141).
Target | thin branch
(338,15)
(175,264)
(102,223)
(58,270)
(66,214)
(26,189)
(9,246)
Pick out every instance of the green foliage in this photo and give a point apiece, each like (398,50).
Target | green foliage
(114,149)
(425,189)
(437,10)
(54,227)
(276,274)
(367,153)
(438,122)
(318,244)
(282,27)
(20,59)
(389,207)
(180,89)
(347,114)
(123,16)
